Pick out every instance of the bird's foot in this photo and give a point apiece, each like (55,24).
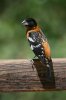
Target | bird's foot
(34,57)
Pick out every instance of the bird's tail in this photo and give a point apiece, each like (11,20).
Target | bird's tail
(49,66)
(48,63)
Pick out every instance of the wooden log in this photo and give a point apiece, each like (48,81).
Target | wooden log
(25,75)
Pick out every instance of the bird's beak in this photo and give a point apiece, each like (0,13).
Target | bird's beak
(24,22)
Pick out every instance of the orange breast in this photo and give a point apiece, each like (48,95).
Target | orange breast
(46,49)
(34,29)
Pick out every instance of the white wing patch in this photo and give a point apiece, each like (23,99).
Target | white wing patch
(32,47)
(30,39)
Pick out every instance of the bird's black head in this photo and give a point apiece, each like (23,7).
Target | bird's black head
(29,22)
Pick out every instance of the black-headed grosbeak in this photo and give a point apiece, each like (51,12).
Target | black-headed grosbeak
(38,42)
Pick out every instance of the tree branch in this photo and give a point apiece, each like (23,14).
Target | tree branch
(25,75)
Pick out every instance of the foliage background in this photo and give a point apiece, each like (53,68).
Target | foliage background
(51,16)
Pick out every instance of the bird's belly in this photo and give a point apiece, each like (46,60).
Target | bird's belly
(46,49)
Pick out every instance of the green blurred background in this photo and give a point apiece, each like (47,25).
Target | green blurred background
(51,16)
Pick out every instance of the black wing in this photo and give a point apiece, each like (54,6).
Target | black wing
(35,39)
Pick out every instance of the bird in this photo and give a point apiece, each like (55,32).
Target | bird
(38,42)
